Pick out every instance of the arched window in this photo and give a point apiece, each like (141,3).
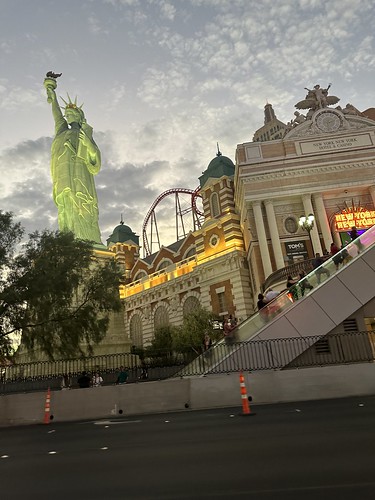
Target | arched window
(191,304)
(140,275)
(161,317)
(215,205)
(136,330)
(190,253)
(163,264)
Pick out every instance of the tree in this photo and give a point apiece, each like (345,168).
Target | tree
(191,333)
(54,292)
(162,344)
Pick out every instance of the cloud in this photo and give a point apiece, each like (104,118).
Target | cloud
(95,26)
(168,11)
(168,81)
(162,89)
(13,98)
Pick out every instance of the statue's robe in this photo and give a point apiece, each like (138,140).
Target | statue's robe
(72,171)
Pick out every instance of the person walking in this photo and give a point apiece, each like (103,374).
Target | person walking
(291,286)
(304,283)
(317,264)
(84,380)
(354,235)
(261,302)
(336,256)
(97,380)
(122,376)
(228,328)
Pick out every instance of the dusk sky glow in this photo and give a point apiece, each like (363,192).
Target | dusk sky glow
(162,82)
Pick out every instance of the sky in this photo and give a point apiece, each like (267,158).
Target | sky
(164,81)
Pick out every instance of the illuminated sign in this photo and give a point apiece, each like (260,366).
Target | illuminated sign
(359,218)
(296,248)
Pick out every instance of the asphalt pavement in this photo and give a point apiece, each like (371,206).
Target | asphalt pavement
(306,450)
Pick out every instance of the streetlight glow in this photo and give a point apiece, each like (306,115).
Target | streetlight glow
(307,223)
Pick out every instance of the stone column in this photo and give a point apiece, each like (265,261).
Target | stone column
(275,237)
(307,206)
(323,220)
(263,246)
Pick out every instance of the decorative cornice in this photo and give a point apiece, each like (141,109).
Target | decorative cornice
(347,123)
(304,172)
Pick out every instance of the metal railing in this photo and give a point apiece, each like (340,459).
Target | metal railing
(331,263)
(275,354)
(281,275)
(282,354)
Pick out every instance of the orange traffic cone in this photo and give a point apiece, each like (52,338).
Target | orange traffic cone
(246,411)
(47,407)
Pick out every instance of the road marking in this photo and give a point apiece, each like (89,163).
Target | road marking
(114,422)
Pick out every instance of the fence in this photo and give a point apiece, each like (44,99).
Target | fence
(276,354)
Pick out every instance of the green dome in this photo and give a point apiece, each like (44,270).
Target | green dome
(218,167)
(121,234)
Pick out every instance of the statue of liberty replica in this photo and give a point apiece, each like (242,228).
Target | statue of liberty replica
(75,159)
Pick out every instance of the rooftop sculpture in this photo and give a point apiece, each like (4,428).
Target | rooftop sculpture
(317,98)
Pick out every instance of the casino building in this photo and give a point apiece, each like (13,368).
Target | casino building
(320,164)
(323,166)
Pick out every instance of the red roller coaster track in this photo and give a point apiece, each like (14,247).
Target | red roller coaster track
(197,216)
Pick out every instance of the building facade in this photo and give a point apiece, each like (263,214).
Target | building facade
(208,268)
(272,128)
(320,164)
(323,166)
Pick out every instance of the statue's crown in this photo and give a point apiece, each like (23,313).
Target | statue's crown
(71,104)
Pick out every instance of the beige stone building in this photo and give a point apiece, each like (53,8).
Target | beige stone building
(323,166)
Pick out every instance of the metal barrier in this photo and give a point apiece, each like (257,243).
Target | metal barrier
(275,354)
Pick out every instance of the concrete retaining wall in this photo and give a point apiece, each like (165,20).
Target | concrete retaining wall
(213,391)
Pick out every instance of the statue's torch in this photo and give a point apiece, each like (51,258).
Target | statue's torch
(50,82)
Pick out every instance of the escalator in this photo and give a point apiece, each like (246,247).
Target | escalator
(341,286)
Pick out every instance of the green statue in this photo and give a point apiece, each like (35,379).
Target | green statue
(75,159)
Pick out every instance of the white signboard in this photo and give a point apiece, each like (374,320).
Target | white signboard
(335,144)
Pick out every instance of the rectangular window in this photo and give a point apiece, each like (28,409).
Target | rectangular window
(222,302)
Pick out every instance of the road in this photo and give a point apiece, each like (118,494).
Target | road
(320,449)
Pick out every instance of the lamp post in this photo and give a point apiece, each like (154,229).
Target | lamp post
(307,223)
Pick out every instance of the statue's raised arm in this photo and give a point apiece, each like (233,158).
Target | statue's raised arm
(50,85)
(75,159)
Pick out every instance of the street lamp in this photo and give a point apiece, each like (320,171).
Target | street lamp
(307,223)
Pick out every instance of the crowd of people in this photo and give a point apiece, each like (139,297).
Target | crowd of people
(340,256)
(298,286)
(85,380)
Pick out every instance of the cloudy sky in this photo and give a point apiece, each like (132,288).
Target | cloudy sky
(162,82)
